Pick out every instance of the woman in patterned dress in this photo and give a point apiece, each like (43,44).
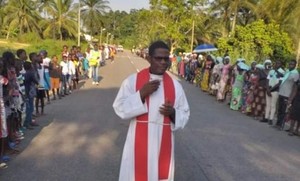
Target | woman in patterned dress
(247,96)
(209,64)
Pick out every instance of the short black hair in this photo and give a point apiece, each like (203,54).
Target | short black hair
(8,58)
(27,65)
(31,55)
(157,44)
(20,51)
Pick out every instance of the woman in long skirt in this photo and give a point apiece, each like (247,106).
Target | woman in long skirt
(209,64)
(247,97)
(224,80)
(236,99)
(259,94)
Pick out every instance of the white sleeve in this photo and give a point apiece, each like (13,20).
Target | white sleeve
(128,103)
(182,109)
(73,69)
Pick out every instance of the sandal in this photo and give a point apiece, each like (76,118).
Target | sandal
(3,165)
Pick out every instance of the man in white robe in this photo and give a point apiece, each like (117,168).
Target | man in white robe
(156,105)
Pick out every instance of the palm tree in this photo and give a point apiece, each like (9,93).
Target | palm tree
(92,13)
(21,14)
(284,13)
(62,18)
(230,11)
(2,4)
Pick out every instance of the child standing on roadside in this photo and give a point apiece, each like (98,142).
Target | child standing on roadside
(55,74)
(30,83)
(85,66)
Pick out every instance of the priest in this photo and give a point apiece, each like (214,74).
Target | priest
(156,106)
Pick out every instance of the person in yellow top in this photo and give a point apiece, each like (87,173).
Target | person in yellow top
(94,63)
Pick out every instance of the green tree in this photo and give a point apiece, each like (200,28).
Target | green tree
(92,14)
(61,19)
(21,15)
(257,41)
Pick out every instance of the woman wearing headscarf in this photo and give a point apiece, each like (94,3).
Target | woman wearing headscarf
(198,74)
(247,95)
(259,93)
(215,76)
(209,64)
(238,82)
(225,77)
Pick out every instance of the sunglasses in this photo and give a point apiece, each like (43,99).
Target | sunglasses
(158,58)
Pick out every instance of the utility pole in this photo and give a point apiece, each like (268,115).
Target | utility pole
(101,31)
(78,38)
(107,37)
(193,31)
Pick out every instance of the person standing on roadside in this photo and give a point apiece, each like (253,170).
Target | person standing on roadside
(157,106)
(85,66)
(55,74)
(272,89)
(94,63)
(30,93)
(38,60)
(64,78)
(46,62)
(290,78)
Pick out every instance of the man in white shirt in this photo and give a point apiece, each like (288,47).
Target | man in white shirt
(290,78)
(274,80)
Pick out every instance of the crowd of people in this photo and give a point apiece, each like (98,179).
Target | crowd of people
(270,92)
(27,81)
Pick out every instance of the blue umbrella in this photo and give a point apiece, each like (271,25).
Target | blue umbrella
(205,48)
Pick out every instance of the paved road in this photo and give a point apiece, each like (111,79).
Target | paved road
(81,139)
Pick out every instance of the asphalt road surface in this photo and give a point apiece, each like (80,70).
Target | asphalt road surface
(81,139)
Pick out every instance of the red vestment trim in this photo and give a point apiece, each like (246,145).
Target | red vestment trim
(141,133)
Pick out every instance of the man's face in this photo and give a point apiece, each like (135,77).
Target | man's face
(54,59)
(65,58)
(292,65)
(160,61)
(39,59)
(23,56)
(226,61)
(277,65)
